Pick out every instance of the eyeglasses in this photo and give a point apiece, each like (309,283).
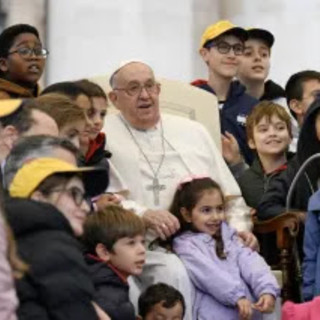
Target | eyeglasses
(26,52)
(135,89)
(224,47)
(77,195)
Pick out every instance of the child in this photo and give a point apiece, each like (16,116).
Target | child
(97,186)
(114,244)
(221,46)
(22,60)
(161,301)
(230,280)
(70,118)
(269,135)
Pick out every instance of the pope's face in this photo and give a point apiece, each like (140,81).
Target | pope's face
(136,95)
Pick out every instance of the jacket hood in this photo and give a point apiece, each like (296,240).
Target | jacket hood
(272,91)
(308,143)
(26,216)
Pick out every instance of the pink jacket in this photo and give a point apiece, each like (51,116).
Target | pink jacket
(303,311)
(8,298)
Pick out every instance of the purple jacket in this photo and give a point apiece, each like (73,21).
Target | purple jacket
(219,284)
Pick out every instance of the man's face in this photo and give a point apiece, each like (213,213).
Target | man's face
(42,124)
(136,95)
(223,65)
(23,70)
(160,312)
(311,90)
(255,61)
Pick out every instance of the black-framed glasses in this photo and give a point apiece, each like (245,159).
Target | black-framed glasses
(135,89)
(26,52)
(225,47)
(77,195)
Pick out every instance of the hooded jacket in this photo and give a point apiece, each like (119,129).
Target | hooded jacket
(57,285)
(234,113)
(11,90)
(112,292)
(220,283)
(272,91)
(273,202)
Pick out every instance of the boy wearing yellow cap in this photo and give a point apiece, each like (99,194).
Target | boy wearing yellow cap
(221,46)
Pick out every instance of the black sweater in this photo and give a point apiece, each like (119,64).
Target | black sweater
(112,293)
(57,285)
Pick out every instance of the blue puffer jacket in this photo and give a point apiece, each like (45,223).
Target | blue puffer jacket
(311,248)
(234,113)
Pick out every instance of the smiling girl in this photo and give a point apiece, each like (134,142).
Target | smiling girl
(230,280)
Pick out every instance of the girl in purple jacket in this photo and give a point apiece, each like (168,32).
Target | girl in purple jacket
(230,280)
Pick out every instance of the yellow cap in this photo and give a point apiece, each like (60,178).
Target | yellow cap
(215,30)
(8,106)
(31,174)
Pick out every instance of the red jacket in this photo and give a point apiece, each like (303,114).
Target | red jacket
(303,311)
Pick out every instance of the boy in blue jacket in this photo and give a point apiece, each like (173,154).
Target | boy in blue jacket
(221,46)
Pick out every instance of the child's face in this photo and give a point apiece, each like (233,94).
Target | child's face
(208,213)
(97,115)
(159,312)
(255,61)
(270,137)
(128,255)
(72,131)
(23,69)
(222,64)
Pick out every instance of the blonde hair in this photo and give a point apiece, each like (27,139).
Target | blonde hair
(61,108)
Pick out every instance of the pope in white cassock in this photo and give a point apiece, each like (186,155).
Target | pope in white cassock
(153,152)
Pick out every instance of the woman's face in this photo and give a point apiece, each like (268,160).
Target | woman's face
(68,198)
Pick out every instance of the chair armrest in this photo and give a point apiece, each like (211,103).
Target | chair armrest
(285,225)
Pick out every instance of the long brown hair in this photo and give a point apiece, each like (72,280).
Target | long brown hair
(187,196)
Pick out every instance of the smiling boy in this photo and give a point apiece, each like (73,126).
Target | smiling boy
(22,60)
(222,45)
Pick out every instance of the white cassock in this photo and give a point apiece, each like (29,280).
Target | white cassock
(189,149)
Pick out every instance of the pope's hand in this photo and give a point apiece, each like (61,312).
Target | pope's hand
(162,222)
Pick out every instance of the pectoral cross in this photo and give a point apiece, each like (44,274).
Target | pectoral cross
(156,187)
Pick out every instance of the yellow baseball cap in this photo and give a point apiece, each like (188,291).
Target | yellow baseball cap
(258,33)
(9,106)
(224,26)
(32,173)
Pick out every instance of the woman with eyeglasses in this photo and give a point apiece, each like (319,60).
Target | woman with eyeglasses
(22,61)
(46,212)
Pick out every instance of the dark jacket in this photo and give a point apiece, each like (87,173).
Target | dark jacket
(234,113)
(272,91)
(112,292)
(11,90)
(57,285)
(273,202)
(311,249)
(96,182)
(254,182)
